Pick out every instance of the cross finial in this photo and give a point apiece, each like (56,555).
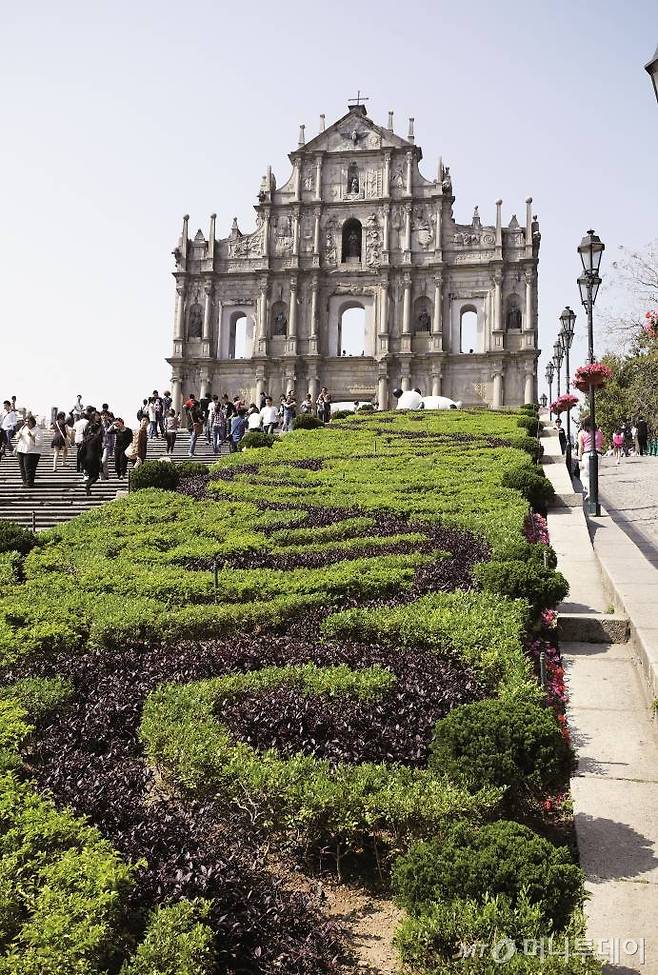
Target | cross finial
(358,100)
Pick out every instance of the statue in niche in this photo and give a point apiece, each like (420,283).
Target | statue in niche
(353,244)
(353,179)
(424,322)
(330,248)
(279,323)
(446,185)
(514,318)
(195,326)
(354,186)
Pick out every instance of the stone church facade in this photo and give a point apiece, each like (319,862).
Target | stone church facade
(358,226)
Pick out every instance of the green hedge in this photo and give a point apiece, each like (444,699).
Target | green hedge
(541,587)
(15,538)
(178,941)
(342,805)
(255,439)
(512,743)
(475,862)
(306,421)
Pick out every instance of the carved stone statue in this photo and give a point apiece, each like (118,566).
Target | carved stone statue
(514,317)
(354,185)
(353,245)
(196,321)
(424,321)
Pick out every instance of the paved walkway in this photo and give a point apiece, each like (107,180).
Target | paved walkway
(615,788)
(629,493)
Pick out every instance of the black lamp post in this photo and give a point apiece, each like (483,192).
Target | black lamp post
(558,356)
(591,250)
(652,70)
(550,373)
(543,399)
(568,320)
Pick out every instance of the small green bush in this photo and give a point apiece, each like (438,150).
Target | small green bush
(513,743)
(38,695)
(341,414)
(256,438)
(366,408)
(542,588)
(532,484)
(498,858)
(530,423)
(463,937)
(177,942)
(154,474)
(306,421)
(15,538)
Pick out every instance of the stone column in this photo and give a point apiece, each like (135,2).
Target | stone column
(205,379)
(261,319)
(529,388)
(176,393)
(387,174)
(498,301)
(437,318)
(382,391)
(406,306)
(292,316)
(313,387)
(316,233)
(497,390)
(386,240)
(409,161)
(318,178)
(313,344)
(407,228)
(437,377)
(266,234)
(406,378)
(297,179)
(260,388)
(179,321)
(295,233)
(437,228)
(207,310)
(529,324)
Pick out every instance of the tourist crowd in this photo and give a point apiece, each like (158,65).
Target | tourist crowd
(98,438)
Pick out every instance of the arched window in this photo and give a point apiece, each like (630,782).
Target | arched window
(468,330)
(352,331)
(352,239)
(195,321)
(237,343)
(513,312)
(279,318)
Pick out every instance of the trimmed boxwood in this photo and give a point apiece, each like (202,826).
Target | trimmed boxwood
(497,858)
(532,483)
(256,439)
(15,538)
(512,742)
(342,414)
(154,474)
(542,588)
(306,421)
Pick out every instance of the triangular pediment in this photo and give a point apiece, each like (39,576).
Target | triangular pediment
(354,132)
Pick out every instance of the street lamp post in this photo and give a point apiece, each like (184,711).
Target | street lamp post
(543,399)
(591,250)
(568,320)
(550,373)
(558,356)
(652,70)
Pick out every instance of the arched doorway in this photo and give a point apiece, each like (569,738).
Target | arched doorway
(468,330)
(237,345)
(352,241)
(352,331)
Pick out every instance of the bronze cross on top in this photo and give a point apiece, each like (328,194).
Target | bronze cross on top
(358,100)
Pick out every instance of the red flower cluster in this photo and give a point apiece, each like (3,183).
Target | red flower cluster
(565,402)
(535,529)
(651,324)
(593,374)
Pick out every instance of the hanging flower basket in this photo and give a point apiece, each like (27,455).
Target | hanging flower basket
(563,403)
(651,324)
(594,374)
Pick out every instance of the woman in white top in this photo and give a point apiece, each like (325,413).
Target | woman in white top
(28,450)
(253,418)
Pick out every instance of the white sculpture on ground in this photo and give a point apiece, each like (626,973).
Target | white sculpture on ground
(413,399)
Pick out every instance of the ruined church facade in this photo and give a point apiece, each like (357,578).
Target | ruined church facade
(358,226)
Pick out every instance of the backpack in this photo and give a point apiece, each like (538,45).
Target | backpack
(140,414)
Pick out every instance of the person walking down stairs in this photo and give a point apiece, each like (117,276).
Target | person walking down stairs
(28,451)
(61,440)
(92,451)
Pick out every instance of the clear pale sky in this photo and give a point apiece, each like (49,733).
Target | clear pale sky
(118,118)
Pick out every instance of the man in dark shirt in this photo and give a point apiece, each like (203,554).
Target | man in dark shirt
(123,439)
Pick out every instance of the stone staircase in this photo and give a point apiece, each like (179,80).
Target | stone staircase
(60,496)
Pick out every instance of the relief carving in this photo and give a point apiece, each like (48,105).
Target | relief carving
(373,242)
